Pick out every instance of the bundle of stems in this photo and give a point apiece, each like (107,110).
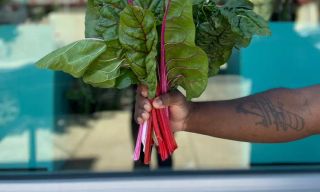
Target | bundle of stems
(157,131)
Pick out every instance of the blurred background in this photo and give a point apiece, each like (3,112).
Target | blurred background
(50,122)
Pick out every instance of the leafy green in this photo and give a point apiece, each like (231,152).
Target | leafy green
(102,18)
(187,64)
(216,44)
(243,20)
(74,58)
(224,25)
(126,78)
(102,21)
(91,20)
(138,36)
(188,68)
(105,84)
(122,42)
(153,5)
(215,37)
(106,67)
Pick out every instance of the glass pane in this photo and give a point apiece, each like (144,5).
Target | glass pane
(52,122)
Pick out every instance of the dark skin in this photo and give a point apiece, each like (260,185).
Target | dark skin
(277,115)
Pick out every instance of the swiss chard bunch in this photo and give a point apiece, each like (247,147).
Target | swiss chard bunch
(162,44)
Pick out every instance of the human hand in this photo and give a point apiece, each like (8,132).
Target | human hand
(179,107)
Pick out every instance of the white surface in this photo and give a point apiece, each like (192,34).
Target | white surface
(67,26)
(241,183)
(32,43)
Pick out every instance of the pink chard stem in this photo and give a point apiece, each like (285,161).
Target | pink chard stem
(137,149)
(163,65)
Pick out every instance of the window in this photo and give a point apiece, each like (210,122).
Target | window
(51,122)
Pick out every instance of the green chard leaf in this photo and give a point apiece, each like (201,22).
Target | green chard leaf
(106,68)
(152,5)
(139,38)
(102,18)
(155,6)
(126,78)
(187,64)
(243,20)
(223,25)
(122,41)
(91,20)
(102,21)
(197,2)
(217,46)
(74,58)
(214,36)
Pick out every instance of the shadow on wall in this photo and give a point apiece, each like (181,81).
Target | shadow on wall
(26,96)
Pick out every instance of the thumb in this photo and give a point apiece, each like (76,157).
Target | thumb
(169,99)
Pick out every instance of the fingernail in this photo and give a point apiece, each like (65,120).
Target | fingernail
(140,121)
(147,107)
(144,114)
(158,102)
(144,93)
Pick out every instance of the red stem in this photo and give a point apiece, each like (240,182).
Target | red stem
(148,147)
(166,131)
(162,148)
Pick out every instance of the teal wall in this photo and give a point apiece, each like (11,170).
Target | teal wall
(26,98)
(286,59)
(31,92)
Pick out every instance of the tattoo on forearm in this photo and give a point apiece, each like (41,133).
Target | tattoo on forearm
(272,114)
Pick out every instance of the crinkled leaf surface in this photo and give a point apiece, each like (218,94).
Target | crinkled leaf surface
(102,21)
(216,43)
(91,20)
(243,20)
(139,38)
(221,28)
(127,50)
(106,67)
(74,58)
(152,5)
(102,18)
(156,6)
(187,64)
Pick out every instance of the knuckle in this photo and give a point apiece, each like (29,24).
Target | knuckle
(142,103)
(145,116)
(165,98)
(147,107)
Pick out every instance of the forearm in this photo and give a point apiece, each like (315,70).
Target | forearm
(279,115)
